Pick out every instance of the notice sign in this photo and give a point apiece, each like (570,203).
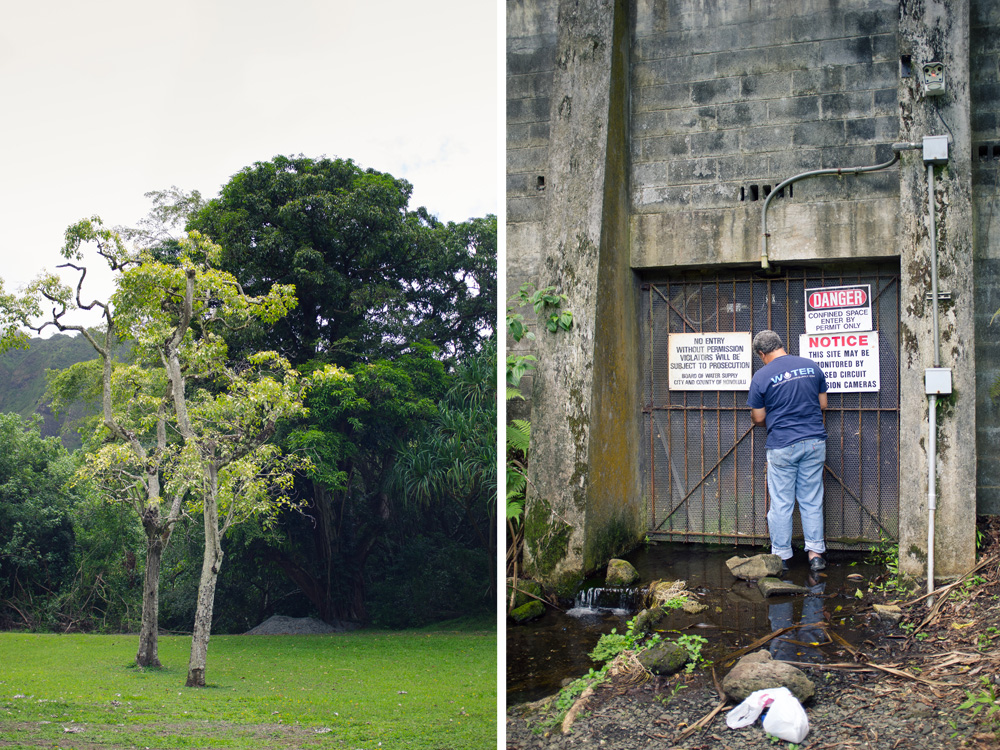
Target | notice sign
(709,361)
(849,360)
(839,308)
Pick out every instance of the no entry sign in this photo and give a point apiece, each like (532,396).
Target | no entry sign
(849,360)
(709,361)
(839,308)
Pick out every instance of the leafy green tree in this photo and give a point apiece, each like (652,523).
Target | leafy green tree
(223,413)
(137,451)
(451,465)
(182,422)
(354,430)
(370,275)
(36,530)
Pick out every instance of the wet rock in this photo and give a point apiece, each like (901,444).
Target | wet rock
(888,613)
(646,620)
(673,595)
(621,573)
(661,591)
(527,590)
(775,587)
(530,611)
(693,607)
(663,658)
(757,671)
(754,568)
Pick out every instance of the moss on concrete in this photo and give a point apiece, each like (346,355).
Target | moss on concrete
(547,538)
(616,538)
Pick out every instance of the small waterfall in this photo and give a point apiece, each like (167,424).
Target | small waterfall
(615,600)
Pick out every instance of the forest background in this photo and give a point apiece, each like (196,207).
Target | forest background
(390,526)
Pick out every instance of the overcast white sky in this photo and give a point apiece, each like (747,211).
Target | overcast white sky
(102,102)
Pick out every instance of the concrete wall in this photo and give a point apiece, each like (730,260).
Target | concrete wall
(731,98)
(937,30)
(727,99)
(583,504)
(531,62)
(984,36)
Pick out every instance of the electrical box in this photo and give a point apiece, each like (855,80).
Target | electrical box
(937,381)
(935,149)
(932,78)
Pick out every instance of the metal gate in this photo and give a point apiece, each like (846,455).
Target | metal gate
(704,468)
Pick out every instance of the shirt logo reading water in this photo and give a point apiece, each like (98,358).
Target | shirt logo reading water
(789,374)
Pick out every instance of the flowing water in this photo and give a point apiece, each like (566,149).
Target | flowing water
(543,653)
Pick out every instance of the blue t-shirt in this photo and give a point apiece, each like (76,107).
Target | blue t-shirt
(788,389)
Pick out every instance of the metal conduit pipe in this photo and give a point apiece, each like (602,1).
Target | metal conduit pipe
(896,148)
(932,398)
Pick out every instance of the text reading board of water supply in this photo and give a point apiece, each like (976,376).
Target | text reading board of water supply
(709,361)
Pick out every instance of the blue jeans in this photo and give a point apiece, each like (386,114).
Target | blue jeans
(796,472)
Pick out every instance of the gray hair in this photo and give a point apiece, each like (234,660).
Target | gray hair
(766,342)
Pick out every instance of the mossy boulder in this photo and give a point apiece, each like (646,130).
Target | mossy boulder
(647,619)
(621,573)
(527,590)
(664,658)
(530,611)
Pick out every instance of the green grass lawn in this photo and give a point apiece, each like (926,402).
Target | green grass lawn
(426,690)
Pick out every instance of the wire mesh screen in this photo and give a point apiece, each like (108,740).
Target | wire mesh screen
(705,466)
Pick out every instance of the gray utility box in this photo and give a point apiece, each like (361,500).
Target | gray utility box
(937,381)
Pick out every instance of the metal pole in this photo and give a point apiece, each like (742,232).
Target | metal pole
(932,398)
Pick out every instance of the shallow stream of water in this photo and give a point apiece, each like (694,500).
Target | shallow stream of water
(541,654)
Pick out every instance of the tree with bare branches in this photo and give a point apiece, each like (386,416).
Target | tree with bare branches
(183,428)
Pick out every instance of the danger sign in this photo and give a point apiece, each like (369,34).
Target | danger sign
(849,360)
(839,308)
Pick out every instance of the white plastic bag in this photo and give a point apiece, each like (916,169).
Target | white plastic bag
(747,712)
(785,718)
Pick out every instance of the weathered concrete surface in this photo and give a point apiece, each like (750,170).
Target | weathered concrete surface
(584,504)
(724,104)
(937,30)
(799,232)
(985,93)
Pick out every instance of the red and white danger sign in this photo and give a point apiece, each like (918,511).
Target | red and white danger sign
(849,360)
(839,308)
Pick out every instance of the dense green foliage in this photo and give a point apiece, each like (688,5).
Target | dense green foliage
(421,690)
(371,276)
(391,525)
(36,530)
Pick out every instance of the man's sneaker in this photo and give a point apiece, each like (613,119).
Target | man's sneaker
(817,563)
(784,566)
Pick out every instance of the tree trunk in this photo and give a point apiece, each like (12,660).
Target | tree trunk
(148,633)
(210,566)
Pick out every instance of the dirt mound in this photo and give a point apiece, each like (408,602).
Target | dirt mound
(281,625)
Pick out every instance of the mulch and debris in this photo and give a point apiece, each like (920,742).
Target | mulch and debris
(931,682)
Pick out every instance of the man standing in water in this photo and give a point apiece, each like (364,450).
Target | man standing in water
(788,394)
